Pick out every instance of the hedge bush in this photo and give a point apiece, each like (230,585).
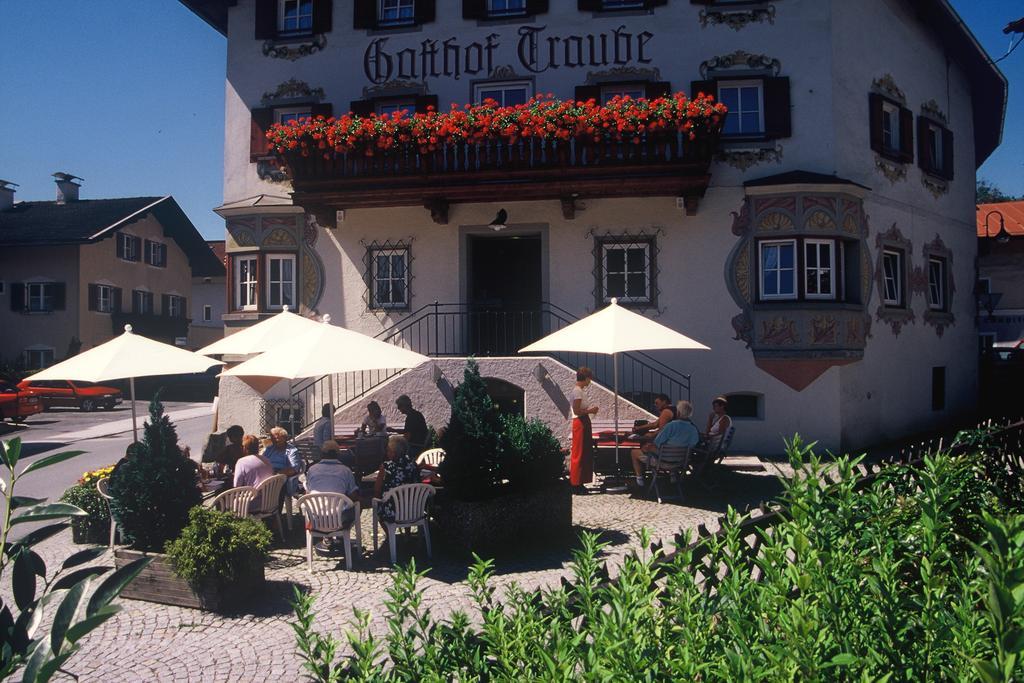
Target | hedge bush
(215,545)
(917,576)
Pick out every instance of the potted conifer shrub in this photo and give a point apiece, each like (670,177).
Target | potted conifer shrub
(503,477)
(154,489)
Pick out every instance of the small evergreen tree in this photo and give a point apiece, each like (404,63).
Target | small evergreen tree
(154,487)
(472,441)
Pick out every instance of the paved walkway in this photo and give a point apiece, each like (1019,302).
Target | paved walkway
(150,642)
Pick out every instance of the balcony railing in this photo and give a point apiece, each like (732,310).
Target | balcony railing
(664,164)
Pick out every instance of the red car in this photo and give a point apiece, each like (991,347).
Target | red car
(73,394)
(18,404)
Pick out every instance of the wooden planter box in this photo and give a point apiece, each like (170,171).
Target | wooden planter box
(512,521)
(158,583)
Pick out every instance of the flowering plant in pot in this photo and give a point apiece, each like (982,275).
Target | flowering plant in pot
(542,118)
(95,525)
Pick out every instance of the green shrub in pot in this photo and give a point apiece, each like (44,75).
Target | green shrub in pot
(95,525)
(216,546)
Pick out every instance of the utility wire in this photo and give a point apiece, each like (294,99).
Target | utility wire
(1010,51)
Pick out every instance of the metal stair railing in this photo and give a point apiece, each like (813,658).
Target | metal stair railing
(458,329)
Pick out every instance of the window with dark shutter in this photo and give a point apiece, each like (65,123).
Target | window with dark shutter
(588,92)
(94,297)
(17,296)
(364,14)
(324,109)
(322,15)
(656,89)
(259,146)
(934,148)
(947,154)
(362,107)
(59,293)
(706,87)
(424,102)
(777,110)
(474,9)
(165,305)
(116,304)
(266,19)
(426,11)
(535,7)
(891,128)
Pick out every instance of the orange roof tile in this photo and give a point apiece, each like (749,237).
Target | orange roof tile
(1013,216)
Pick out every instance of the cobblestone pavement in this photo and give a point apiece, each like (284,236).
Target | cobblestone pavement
(151,642)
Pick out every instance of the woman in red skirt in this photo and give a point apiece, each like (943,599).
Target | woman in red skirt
(581,462)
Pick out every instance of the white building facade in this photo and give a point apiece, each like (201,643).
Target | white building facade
(824,248)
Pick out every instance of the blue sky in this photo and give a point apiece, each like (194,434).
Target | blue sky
(129,95)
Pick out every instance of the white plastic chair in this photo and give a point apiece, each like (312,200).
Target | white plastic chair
(672,460)
(103,486)
(432,457)
(410,502)
(325,518)
(267,501)
(235,500)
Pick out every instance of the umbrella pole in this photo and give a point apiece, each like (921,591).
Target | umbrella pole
(135,428)
(615,407)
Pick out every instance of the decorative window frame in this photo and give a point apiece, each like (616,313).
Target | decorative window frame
(207,313)
(374,247)
(737,84)
(941,318)
(107,305)
(125,240)
(737,14)
(643,238)
(147,297)
(894,316)
(237,282)
(761,244)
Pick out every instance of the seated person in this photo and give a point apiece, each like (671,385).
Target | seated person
(323,429)
(232,451)
(415,429)
(680,432)
(397,469)
(252,469)
(718,423)
(374,421)
(330,475)
(285,459)
(666,413)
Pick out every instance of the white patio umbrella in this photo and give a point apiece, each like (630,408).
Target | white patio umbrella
(326,349)
(614,330)
(261,336)
(127,356)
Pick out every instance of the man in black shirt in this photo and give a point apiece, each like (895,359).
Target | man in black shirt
(415,430)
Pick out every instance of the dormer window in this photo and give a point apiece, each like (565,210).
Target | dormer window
(295,17)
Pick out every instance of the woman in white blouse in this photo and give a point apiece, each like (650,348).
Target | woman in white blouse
(581,461)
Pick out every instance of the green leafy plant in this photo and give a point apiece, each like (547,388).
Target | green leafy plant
(71,600)
(154,489)
(472,440)
(215,545)
(94,527)
(915,574)
(484,449)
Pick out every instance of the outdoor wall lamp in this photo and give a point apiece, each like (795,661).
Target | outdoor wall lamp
(498,224)
(1002,237)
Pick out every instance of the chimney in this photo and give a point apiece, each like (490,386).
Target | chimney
(7,194)
(67,188)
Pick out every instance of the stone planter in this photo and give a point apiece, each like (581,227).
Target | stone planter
(515,520)
(158,583)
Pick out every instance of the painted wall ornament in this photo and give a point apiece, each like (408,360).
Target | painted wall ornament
(886,85)
(797,341)
(892,171)
(279,237)
(293,89)
(737,18)
(741,59)
(291,51)
(743,159)
(943,317)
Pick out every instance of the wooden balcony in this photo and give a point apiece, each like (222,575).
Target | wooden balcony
(665,165)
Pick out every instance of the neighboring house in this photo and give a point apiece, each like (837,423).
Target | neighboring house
(823,247)
(1000,288)
(208,302)
(74,272)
